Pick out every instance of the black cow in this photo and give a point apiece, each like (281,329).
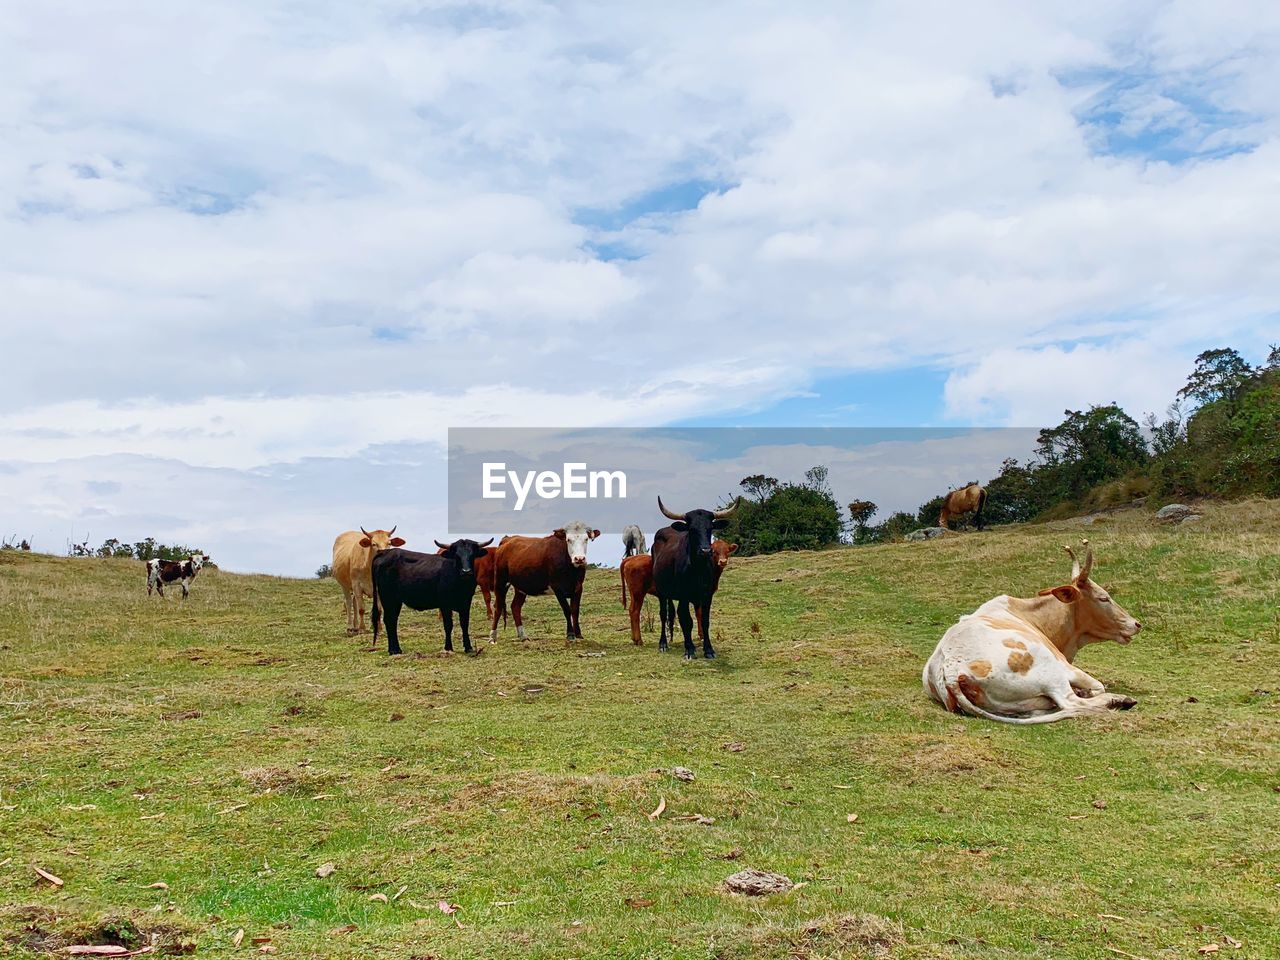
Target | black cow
(684,572)
(426,581)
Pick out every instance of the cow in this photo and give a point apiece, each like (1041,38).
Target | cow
(160,572)
(968,499)
(637,577)
(684,573)
(352,567)
(484,576)
(535,565)
(1011,660)
(444,581)
(633,544)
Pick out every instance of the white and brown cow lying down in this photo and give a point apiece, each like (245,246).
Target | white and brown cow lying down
(160,572)
(1011,659)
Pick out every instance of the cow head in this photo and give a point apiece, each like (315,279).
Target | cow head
(576,536)
(381,539)
(720,553)
(1097,616)
(699,524)
(198,560)
(464,553)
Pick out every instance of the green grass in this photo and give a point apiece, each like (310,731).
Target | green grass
(230,745)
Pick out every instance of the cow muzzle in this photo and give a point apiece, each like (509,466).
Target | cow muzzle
(579,561)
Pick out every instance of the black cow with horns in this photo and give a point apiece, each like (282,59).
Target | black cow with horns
(684,574)
(427,581)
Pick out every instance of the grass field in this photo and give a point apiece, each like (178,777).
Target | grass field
(229,746)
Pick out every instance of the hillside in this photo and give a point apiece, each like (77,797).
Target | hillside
(230,745)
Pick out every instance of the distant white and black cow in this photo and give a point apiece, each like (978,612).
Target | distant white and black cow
(633,541)
(160,572)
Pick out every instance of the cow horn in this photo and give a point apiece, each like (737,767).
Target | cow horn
(442,546)
(393,529)
(1088,560)
(364,531)
(728,511)
(486,543)
(667,513)
(1075,562)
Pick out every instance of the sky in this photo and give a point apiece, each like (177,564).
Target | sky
(257,258)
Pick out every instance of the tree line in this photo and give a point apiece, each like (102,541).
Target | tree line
(1220,437)
(147,549)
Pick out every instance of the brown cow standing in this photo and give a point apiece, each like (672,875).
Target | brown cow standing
(353,568)
(637,577)
(535,565)
(483,565)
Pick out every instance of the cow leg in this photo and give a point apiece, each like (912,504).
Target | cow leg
(704,628)
(686,627)
(1086,685)
(347,608)
(447,616)
(183,582)
(359,609)
(576,606)
(500,604)
(664,614)
(637,601)
(464,619)
(488,603)
(517,605)
(391,620)
(566,607)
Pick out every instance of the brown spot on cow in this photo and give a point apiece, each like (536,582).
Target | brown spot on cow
(1020,662)
(952,704)
(980,668)
(972,691)
(1014,644)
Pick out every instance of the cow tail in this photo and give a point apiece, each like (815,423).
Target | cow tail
(623,577)
(969,707)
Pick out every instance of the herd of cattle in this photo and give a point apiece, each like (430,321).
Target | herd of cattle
(1011,660)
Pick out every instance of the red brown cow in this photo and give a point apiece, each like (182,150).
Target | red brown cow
(536,565)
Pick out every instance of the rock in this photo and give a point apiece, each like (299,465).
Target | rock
(1192,518)
(758,883)
(1173,513)
(926,533)
(325,870)
(682,773)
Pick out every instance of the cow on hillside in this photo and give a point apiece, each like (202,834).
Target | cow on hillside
(444,581)
(352,567)
(1011,659)
(683,571)
(484,576)
(536,565)
(160,572)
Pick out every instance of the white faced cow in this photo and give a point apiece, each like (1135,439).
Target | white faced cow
(160,572)
(1011,659)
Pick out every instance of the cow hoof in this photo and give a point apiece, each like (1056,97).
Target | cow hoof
(710,655)
(394,653)
(688,656)
(1123,703)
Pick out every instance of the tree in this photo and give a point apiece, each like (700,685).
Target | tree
(323,571)
(758,486)
(785,516)
(1088,448)
(1218,375)
(860,514)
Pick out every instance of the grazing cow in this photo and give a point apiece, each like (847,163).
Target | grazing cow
(969,499)
(534,565)
(352,567)
(1011,659)
(444,581)
(683,571)
(484,576)
(160,572)
(633,541)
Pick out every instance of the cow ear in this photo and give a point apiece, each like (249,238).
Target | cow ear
(594,534)
(558,534)
(481,552)
(733,548)
(679,525)
(1066,593)
(396,541)
(719,524)
(365,541)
